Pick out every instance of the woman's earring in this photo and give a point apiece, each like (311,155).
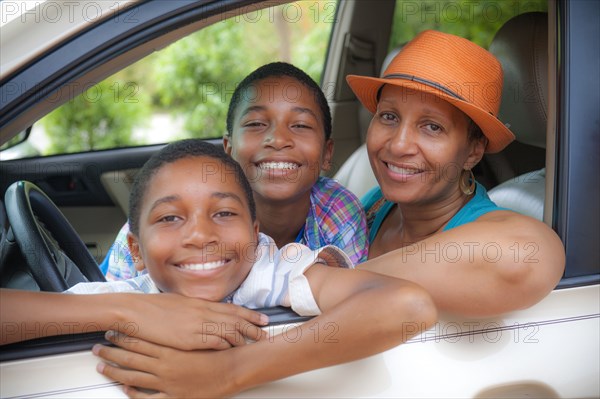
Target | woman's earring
(468,186)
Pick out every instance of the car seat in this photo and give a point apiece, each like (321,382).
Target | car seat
(521,45)
(356,173)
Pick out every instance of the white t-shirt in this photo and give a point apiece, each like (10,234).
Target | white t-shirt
(276,278)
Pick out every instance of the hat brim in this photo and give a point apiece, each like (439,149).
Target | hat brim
(499,136)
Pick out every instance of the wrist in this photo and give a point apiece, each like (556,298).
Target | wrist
(115,315)
(244,367)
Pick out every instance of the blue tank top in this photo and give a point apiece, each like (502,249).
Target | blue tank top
(377,208)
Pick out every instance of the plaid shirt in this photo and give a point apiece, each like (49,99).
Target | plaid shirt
(335,217)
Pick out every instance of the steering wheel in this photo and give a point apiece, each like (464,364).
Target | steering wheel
(53,250)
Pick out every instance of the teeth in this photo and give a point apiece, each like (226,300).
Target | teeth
(203,266)
(278,165)
(403,171)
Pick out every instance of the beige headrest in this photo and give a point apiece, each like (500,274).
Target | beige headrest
(521,46)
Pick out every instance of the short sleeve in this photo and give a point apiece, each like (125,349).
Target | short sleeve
(277,278)
(301,298)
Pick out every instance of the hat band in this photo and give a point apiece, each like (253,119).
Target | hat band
(425,82)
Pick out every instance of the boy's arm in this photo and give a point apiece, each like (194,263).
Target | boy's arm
(27,315)
(363,314)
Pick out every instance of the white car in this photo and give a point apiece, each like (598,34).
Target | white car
(53,51)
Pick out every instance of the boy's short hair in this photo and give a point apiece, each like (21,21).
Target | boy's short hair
(279,69)
(190,148)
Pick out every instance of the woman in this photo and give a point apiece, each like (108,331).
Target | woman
(430,222)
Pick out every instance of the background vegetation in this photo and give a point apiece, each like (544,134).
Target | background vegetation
(190,82)
(476,20)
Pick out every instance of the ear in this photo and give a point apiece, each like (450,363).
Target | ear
(475,154)
(327,155)
(134,250)
(227,144)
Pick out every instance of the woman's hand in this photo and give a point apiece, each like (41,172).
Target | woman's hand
(187,323)
(143,366)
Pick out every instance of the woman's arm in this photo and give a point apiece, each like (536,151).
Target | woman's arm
(501,262)
(169,319)
(362,314)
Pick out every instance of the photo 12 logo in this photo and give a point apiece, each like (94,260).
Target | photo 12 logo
(479,331)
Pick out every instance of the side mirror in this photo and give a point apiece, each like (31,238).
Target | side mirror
(18,147)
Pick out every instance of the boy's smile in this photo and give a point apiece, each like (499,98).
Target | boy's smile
(279,139)
(197,237)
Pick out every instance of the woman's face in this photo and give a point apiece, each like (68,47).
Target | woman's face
(418,146)
(279,139)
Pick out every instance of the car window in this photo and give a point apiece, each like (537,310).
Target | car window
(477,21)
(184,89)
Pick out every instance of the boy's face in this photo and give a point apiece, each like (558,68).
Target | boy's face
(278,137)
(196,235)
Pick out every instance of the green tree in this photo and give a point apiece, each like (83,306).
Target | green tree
(196,76)
(192,79)
(103,116)
(477,21)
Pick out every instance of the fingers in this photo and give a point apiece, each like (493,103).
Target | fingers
(252,316)
(132,344)
(123,359)
(128,377)
(135,393)
(252,332)
(205,341)
(229,325)
(227,333)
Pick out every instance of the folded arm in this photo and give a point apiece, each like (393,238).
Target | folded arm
(363,314)
(501,262)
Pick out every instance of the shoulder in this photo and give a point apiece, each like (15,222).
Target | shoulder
(507,218)
(375,207)
(478,206)
(509,224)
(327,191)
(331,200)
(371,197)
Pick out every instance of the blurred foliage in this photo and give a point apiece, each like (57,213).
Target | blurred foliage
(194,75)
(477,21)
(197,76)
(191,81)
(103,116)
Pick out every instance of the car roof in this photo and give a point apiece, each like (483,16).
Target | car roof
(25,29)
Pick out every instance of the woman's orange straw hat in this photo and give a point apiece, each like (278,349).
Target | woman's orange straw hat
(451,68)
